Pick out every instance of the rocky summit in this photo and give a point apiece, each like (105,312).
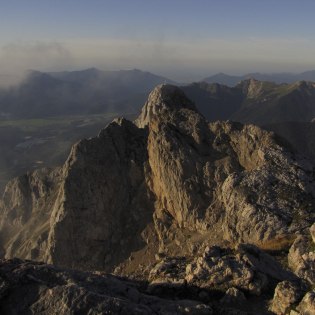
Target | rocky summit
(221,210)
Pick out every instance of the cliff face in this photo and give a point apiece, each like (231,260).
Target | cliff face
(103,203)
(25,213)
(238,177)
(170,183)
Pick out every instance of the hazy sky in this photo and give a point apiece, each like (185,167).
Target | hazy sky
(181,39)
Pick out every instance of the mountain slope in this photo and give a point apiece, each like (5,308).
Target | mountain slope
(150,185)
(135,80)
(78,92)
(232,80)
(221,213)
(301,135)
(256,102)
(214,101)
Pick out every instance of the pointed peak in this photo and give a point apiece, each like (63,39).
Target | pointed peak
(170,95)
(163,97)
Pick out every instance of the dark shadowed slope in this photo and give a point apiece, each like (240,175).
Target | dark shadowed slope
(232,80)
(253,101)
(301,135)
(79,92)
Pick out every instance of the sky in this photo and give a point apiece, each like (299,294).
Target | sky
(182,39)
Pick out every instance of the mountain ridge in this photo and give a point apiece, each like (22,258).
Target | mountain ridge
(42,94)
(253,101)
(170,200)
(176,146)
(285,77)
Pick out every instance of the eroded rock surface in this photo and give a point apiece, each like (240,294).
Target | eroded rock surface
(35,288)
(170,184)
(307,305)
(247,268)
(104,203)
(287,295)
(190,206)
(301,257)
(25,212)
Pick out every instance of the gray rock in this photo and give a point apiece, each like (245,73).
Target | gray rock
(307,305)
(312,231)
(170,182)
(286,295)
(35,288)
(221,269)
(301,258)
(25,213)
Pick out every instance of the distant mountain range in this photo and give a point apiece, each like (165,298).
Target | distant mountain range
(252,98)
(78,92)
(256,102)
(232,80)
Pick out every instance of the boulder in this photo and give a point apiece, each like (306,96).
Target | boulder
(301,258)
(307,305)
(287,295)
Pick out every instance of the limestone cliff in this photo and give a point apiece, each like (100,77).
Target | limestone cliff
(170,183)
(25,213)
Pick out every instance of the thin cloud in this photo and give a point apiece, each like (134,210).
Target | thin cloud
(16,58)
(180,60)
(197,57)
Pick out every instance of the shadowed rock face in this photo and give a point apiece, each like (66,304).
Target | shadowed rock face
(170,182)
(26,211)
(104,203)
(256,102)
(34,288)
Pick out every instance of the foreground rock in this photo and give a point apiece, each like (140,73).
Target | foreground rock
(301,256)
(247,269)
(35,288)
(286,297)
(307,305)
(293,295)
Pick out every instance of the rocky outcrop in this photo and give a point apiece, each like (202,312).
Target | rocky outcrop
(286,297)
(210,175)
(301,256)
(307,305)
(290,297)
(254,101)
(161,101)
(25,213)
(34,288)
(247,269)
(104,203)
(169,184)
